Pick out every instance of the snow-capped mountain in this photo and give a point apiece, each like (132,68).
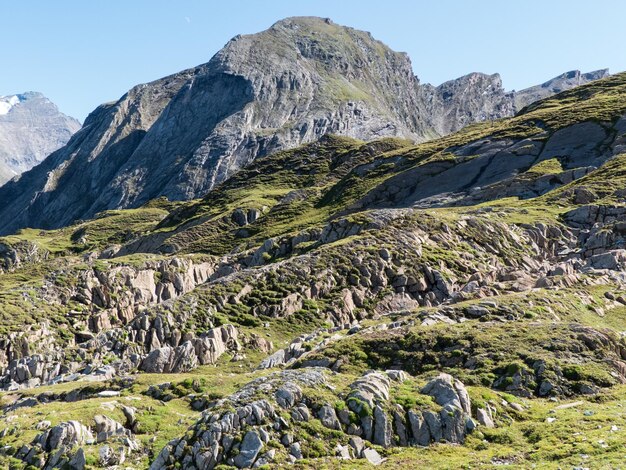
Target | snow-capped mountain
(31,128)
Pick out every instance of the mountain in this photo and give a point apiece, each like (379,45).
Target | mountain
(341,300)
(558,84)
(478,97)
(182,135)
(31,128)
(475,97)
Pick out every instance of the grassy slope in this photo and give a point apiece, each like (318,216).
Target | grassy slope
(327,172)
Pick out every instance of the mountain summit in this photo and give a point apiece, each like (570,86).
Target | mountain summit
(183,134)
(31,128)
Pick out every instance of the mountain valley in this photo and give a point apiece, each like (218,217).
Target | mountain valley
(335,267)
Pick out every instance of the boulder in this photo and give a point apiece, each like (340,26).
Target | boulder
(446,390)
(78,461)
(295,450)
(372,456)
(110,457)
(328,417)
(483,416)
(251,445)
(614,260)
(67,434)
(288,395)
(107,428)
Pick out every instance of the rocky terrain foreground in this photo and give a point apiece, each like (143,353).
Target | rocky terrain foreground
(457,303)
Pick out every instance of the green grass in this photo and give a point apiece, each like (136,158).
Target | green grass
(546,167)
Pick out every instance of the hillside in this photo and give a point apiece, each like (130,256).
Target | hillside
(451,303)
(182,135)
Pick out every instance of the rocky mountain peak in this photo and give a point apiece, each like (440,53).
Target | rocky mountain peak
(475,97)
(555,85)
(293,83)
(31,127)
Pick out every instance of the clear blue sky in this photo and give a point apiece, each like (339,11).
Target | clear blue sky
(83,53)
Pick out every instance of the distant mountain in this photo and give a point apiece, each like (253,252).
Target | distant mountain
(558,84)
(182,135)
(31,128)
(478,97)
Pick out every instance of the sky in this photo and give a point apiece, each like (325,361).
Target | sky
(84,53)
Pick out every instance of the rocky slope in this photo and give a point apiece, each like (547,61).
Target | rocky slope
(180,136)
(31,128)
(336,304)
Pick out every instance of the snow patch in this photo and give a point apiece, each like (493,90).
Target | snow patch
(7,102)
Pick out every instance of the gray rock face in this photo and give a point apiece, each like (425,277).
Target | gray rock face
(472,98)
(183,134)
(556,85)
(300,79)
(454,420)
(250,448)
(382,427)
(372,456)
(498,168)
(479,97)
(483,416)
(78,461)
(107,428)
(419,428)
(110,457)
(67,434)
(287,395)
(31,128)
(328,417)
(448,391)
(170,360)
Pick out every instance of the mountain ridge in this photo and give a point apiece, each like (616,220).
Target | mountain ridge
(181,135)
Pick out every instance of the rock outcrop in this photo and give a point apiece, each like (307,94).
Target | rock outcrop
(205,349)
(57,447)
(239,434)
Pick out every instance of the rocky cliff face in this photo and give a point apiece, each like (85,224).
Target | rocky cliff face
(31,128)
(182,135)
(476,97)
